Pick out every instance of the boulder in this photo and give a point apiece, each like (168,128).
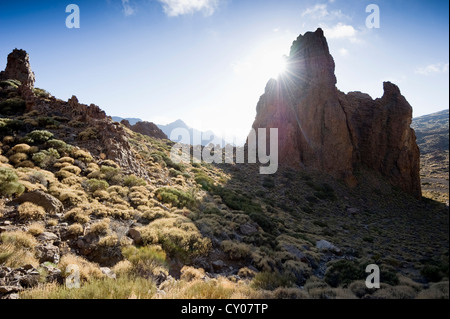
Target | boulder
(50,203)
(135,235)
(108,272)
(4,290)
(324,245)
(48,252)
(218,265)
(248,228)
(47,237)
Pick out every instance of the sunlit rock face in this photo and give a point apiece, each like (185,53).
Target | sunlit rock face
(321,128)
(18,68)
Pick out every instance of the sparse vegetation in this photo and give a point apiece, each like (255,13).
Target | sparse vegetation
(264,228)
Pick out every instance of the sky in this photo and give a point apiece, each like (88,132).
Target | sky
(207,61)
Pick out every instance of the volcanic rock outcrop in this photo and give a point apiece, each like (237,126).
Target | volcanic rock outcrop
(18,68)
(145,128)
(321,128)
(109,138)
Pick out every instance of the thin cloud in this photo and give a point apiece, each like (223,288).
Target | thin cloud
(128,9)
(340,31)
(437,68)
(320,11)
(343,52)
(175,8)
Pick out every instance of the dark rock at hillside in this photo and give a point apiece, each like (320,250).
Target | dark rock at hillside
(322,128)
(18,68)
(51,204)
(131,120)
(148,128)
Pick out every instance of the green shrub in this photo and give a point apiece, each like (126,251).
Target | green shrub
(205,181)
(237,201)
(344,272)
(12,106)
(323,191)
(48,122)
(39,136)
(264,221)
(271,281)
(94,184)
(10,84)
(268,182)
(88,134)
(163,159)
(9,126)
(133,180)
(176,197)
(59,145)
(9,184)
(432,273)
(41,93)
(112,174)
(179,237)
(145,260)
(46,158)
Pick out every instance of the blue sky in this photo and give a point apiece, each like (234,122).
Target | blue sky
(207,61)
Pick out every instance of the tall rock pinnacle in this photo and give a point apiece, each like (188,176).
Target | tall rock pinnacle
(321,128)
(18,68)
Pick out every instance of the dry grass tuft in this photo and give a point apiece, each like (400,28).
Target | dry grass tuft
(36,229)
(31,211)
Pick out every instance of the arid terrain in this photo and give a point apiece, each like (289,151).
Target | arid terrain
(80,191)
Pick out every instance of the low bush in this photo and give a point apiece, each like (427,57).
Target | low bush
(133,180)
(177,236)
(87,270)
(12,106)
(39,136)
(46,158)
(176,197)
(271,281)
(343,272)
(205,181)
(36,229)
(21,148)
(94,184)
(30,211)
(17,158)
(147,260)
(88,134)
(59,145)
(9,126)
(9,183)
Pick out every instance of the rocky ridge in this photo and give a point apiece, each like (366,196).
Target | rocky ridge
(145,128)
(324,129)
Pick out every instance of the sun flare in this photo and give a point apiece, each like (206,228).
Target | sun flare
(276,66)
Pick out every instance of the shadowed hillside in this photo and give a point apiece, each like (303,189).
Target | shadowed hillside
(432,138)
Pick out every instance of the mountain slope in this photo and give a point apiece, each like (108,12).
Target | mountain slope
(196,137)
(79,189)
(433,140)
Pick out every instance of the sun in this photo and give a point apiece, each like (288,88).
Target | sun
(274,64)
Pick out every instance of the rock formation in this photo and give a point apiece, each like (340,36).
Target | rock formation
(321,128)
(18,68)
(145,128)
